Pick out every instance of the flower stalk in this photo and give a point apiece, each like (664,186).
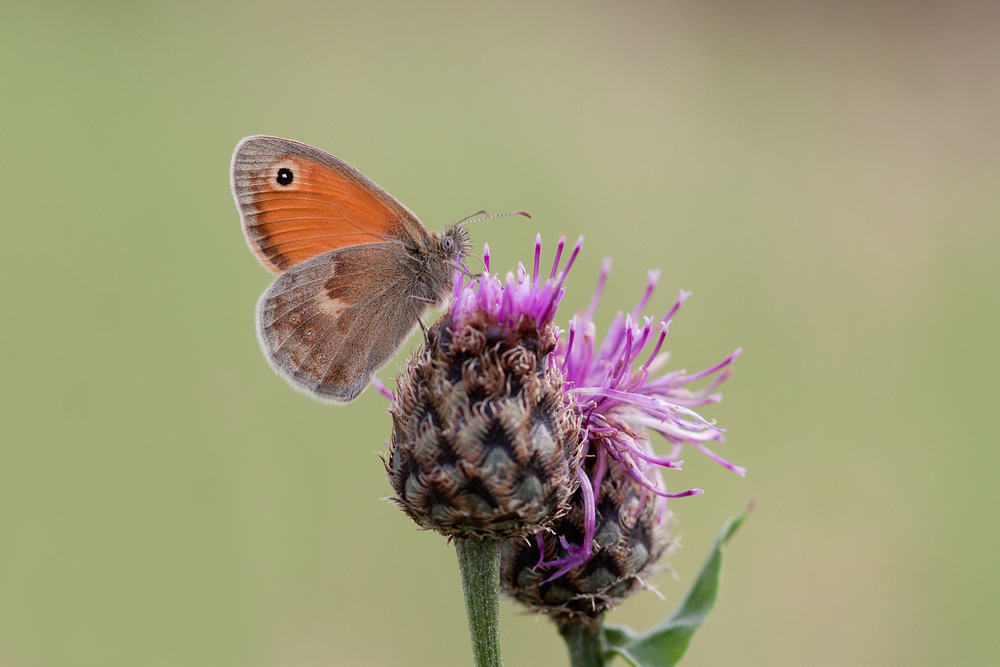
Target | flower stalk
(585,642)
(479,562)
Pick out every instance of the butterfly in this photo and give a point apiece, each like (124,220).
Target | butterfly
(356,270)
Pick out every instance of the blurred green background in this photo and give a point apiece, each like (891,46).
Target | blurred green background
(824,176)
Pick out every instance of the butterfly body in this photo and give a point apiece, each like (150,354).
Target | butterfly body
(356,270)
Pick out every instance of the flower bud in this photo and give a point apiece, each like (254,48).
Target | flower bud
(629,537)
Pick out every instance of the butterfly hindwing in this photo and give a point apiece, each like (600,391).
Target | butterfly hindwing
(328,323)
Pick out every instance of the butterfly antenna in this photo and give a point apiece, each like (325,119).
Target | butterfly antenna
(469,220)
(470,217)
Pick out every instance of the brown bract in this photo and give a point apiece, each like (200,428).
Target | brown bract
(485,444)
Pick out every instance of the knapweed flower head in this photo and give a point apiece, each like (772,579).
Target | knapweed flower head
(486,440)
(630,536)
(616,529)
(492,418)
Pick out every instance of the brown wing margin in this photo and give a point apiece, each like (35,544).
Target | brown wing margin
(296,202)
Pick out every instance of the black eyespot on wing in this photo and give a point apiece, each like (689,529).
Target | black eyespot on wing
(285,176)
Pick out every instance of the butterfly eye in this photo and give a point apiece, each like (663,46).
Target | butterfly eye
(448,244)
(285,176)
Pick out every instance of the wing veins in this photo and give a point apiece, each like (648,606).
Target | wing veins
(309,238)
(368,367)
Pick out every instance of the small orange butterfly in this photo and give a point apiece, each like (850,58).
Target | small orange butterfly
(356,269)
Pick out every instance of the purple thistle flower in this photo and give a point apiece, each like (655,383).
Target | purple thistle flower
(619,403)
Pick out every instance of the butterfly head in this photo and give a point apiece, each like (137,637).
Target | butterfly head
(438,261)
(453,244)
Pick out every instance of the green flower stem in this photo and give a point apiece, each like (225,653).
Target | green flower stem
(584,642)
(479,561)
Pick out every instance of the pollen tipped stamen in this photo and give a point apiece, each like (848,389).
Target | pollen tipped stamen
(623,361)
(664,328)
(637,378)
(653,277)
(561,278)
(569,344)
(706,392)
(739,470)
(538,256)
(671,425)
(559,250)
(677,305)
(662,461)
(714,369)
(638,477)
(647,329)
(652,405)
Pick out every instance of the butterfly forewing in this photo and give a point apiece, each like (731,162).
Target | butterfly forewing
(356,269)
(327,324)
(297,202)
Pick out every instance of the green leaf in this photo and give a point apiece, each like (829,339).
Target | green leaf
(663,645)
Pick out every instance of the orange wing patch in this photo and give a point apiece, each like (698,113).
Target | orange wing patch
(297,202)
